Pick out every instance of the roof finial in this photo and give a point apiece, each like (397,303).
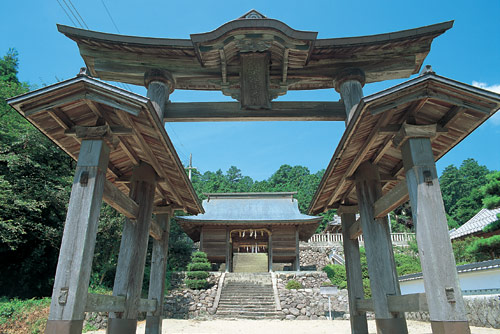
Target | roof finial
(253,14)
(427,70)
(83,72)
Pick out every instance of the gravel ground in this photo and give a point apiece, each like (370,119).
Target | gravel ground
(172,326)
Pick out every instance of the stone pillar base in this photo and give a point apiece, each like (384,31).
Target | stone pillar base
(450,327)
(391,326)
(153,325)
(64,327)
(121,326)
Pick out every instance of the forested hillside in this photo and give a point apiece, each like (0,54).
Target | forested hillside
(35,180)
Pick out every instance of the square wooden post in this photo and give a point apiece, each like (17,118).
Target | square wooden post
(297,249)
(133,249)
(444,296)
(354,275)
(228,250)
(69,295)
(270,251)
(157,276)
(379,253)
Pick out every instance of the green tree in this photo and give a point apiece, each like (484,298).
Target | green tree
(491,191)
(460,189)
(35,179)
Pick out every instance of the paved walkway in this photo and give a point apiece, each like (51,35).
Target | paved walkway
(172,326)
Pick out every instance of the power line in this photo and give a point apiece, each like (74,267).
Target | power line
(76,10)
(65,12)
(111,17)
(73,14)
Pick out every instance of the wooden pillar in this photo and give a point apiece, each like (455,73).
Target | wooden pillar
(354,275)
(270,251)
(379,254)
(133,249)
(228,251)
(157,275)
(349,83)
(201,239)
(444,296)
(69,294)
(160,85)
(297,249)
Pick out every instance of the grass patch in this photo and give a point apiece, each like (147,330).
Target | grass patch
(23,316)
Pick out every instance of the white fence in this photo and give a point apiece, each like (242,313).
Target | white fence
(397,238)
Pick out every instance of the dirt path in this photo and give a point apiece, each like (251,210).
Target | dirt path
(172,326)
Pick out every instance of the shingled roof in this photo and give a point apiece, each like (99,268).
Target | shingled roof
(476,223)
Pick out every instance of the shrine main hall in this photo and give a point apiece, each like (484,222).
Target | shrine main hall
(385,157)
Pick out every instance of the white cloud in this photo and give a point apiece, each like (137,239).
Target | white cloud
(495,119)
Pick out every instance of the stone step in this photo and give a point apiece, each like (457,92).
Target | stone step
(263,304)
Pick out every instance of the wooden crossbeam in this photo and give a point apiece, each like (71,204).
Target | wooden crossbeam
(382,121)
(391,200)
(416,302)
(119,201)
(355,230)
(126,118)
(231,112)
(106,303)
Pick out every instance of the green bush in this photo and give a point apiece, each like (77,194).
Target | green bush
(197,271)
(199,266)
(491,227)
(407,264)
(487,246)
(293,285)
(336,273)
(196,284)
(197,274)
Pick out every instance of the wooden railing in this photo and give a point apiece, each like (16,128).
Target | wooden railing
(397,238)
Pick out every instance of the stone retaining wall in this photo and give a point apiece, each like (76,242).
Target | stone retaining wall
(184,303)
(317,256)
(307,303)
(482,311)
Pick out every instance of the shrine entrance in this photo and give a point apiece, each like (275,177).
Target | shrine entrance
(386,156)
(253,231)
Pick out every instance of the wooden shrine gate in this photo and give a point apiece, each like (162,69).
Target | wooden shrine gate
(386,155)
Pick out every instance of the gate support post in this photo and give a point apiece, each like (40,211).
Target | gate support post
(379,253)
(133,249)
(157,275)
(354,275)
(69,294)
(444,296)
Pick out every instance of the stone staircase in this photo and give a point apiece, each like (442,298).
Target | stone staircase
(247,296)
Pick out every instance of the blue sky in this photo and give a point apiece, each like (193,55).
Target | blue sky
(469,52)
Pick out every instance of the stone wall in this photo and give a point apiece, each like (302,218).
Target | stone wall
(184,303)
(307,303)
(482,311)
(317,256)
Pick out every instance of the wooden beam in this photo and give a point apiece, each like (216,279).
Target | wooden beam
(391,200)
(107,303)
(450,116)
(155,231)
(104,303)
(416,302)
(347,209)
(382,121)
(414,131)
(119,201)
(231,112)
(118,130)
(355,230)
(150,154)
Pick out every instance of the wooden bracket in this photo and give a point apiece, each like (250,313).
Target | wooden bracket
(414,131)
